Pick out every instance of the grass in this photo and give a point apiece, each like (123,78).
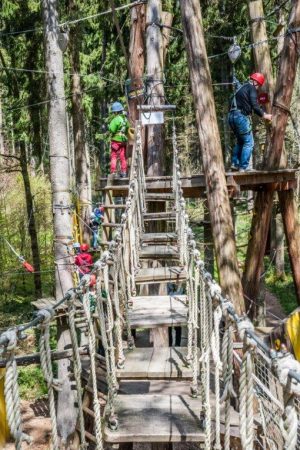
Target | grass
(31,383)
(283,289)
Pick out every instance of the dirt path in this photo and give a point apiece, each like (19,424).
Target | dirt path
(274,311)
(36,423)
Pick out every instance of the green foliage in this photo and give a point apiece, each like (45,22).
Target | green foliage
(31,383)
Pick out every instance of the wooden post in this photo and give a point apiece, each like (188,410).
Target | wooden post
(263,203)
(154,45)
(136,56)
(155,155)
(82,167)
(61,203)
(217,195)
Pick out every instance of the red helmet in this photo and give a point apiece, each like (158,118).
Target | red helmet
(259,77)
(84,247)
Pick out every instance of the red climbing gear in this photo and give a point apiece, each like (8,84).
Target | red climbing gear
(24,263)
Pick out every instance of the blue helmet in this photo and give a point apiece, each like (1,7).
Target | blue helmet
(117,107)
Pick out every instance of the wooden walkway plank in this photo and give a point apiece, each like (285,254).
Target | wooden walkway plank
(159,252)
(159,237)
(153,311)
(161,274)
(156,363)
(163,418)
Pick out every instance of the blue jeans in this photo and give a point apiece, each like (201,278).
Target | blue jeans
(95,239)
(241,127)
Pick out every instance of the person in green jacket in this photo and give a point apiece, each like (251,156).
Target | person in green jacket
(118,128)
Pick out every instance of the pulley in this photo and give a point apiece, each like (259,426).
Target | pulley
(234,52)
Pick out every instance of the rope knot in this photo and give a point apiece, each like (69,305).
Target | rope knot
(283,366)
(215,291)
(243,325)
(45,316)
(9,340)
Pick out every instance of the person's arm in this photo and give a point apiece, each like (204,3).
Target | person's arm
(255,105)
(254,102)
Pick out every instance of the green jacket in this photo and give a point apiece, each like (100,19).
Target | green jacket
(118,128)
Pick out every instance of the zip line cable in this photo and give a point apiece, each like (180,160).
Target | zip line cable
(75,21)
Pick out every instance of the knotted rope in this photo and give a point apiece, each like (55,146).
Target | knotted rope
(92,352)
(77,369)
(227,364)
(11,390)
(53,384)
(246,400)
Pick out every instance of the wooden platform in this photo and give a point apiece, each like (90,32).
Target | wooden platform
(160,275)
(159,252)
(161,310)
(195,186)
(165,418)
(157,363)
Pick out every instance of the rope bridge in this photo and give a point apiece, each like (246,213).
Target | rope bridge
(234,377)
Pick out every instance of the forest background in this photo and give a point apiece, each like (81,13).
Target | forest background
(24,149)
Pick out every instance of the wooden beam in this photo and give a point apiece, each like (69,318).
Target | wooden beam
(212,157)
(34,358)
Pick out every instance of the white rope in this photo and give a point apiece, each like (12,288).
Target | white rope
(77,369)
(215,346)
(246,402)
(92,352)
(11,391)
(46,365)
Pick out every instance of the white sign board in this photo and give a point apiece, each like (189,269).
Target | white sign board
(152,118)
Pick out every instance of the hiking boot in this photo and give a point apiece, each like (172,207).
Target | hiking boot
(123,175)
(247,170)
(233,167)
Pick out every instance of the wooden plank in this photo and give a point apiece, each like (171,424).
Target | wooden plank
(152,311)
(160,274)
(159,252)
(156,363)
(159,237)
(156,418)
(159,215)
(159,197)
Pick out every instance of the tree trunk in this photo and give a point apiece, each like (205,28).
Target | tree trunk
(31,222)
(82,167)
(217,195)
(261,52)
(61,202)
(136,57)
(154,45)
(263,203)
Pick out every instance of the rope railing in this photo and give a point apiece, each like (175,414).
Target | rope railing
(107,302)
(267,386)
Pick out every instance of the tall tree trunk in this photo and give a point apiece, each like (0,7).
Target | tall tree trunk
(263,203)
(61,202)
(136,56)
(217,195)
(263,64)
(82,167)
(154,45)
(31,222)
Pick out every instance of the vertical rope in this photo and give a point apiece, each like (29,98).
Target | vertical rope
(46,365)
(77,369)
(92,351)
(227,360)
(246,401)
(11,391)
